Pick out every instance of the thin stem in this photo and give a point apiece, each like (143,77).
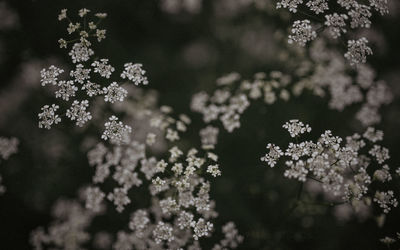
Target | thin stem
(315,179)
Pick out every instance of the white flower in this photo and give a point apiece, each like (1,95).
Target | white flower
(185,220)
(92,89)
(80,53)
(214,170)
(360,15)
(381,153)
(62,15)
(83,12)
(172,135)
(134,73)
(63,43)
(383,174)
(101,15)
(273,155)
(73,27)
(120,198)
(48,117)
(115,130)
(94,198)
(66,89)
(318,6)
(114,93)
(296,127)
(175,153)
(290,4)
(158,183)
(77,112)
(139,221)
(163,232)
(50,76)
(385,200)
(103,68)
(357,51)
(302,32)
(373,135)
(387,240)
(297,170)
(126,177)
(336,24)
(80,74)
(209,136)
(201,228)
(100,34)
(380,5)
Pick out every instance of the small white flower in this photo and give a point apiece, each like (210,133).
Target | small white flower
(273,155)
(50,76)
(77,112)
(62,15)
(357,51)
(120,198)
(115,130)
(48,117)
(114,93)
(134,73)
(302,32)
(103,68)
(296,127)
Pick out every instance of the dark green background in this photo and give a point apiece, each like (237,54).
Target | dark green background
(255,197)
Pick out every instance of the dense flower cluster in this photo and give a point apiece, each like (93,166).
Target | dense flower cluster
(78,113)
(115,130)
(81,77)
(341,166)
(358,14)
(325,73)
(179,191)
(302,33)
(358,51)
(134,73)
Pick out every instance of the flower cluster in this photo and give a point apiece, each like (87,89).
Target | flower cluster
(227,106)
(165,122)
(355,15)
(302,33)
(69,228)
(357,51)
(77,112)
(341,166)
(81,54)
(134,73)
(115,130)
(179,193)
(48,117)
(296,127)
